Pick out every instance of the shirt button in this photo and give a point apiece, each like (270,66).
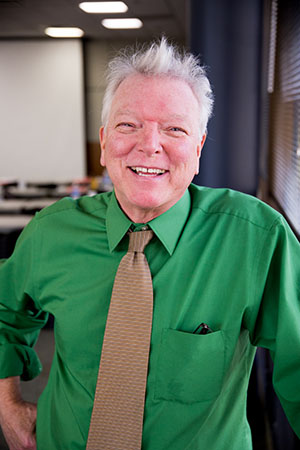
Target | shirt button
(145,228)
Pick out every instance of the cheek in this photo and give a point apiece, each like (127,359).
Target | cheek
(184,156)
(119,148)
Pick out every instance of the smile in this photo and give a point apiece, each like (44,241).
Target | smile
(144,171)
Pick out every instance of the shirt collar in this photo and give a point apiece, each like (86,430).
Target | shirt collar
(117,223)
(167,227)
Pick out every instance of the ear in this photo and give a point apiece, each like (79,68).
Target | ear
(199,150)
(102,145)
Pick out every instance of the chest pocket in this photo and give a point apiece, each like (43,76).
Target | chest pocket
(190,367)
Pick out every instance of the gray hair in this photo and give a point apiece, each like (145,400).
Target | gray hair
(160,59)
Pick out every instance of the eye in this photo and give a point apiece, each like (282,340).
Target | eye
(124,124)
(177,131)
(125,127)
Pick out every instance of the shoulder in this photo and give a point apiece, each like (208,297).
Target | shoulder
(82,206)
(234,205)
(68,215)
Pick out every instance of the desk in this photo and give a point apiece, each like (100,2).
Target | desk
(31,193)
(16,206)
(9,223)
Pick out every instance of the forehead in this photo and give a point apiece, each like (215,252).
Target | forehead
(157,94)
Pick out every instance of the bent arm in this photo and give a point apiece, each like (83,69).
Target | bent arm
(20,322)
(277,321)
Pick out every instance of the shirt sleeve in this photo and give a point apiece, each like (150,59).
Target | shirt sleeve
(277,318)
(20,316)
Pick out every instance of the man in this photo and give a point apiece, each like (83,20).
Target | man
(225,271)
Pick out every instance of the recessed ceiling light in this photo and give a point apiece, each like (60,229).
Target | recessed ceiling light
(64,32)
(103,7)
(116,24)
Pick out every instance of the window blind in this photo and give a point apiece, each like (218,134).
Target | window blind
(285,115)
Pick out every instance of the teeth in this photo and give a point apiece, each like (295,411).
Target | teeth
(144,170)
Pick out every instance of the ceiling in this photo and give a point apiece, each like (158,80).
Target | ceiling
(29,18)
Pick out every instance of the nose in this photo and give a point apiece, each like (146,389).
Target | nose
(150,140)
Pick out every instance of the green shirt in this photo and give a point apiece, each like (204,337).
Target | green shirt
(218,257)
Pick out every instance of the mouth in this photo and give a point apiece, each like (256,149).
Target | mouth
(146,172)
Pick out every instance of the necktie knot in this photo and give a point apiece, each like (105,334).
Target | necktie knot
(138,240)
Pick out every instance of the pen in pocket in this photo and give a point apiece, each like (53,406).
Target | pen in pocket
(203,328)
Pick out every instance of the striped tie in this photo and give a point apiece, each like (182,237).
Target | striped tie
(117,417)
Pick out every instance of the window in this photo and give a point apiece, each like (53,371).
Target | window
(284,138)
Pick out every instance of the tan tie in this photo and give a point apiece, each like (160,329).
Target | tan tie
(117,417)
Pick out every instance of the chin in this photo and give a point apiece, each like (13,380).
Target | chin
(147,200)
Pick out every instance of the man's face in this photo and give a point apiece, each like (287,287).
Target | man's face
(151,145)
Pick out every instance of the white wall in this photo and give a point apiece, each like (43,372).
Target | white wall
(42,123)
(97,56)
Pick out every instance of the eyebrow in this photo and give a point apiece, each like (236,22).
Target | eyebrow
(170,117)
(123,111)
(178,117)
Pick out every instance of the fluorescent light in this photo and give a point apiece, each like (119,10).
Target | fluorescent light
(116,24)
(64,32)
(103,7)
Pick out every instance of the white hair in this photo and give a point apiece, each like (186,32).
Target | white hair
(160,59)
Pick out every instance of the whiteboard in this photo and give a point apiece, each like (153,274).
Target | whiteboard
(42,123)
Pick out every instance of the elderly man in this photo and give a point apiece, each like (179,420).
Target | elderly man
(225,274)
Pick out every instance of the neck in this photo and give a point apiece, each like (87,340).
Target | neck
(141,217)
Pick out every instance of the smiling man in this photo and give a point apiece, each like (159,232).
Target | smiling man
(224,273)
